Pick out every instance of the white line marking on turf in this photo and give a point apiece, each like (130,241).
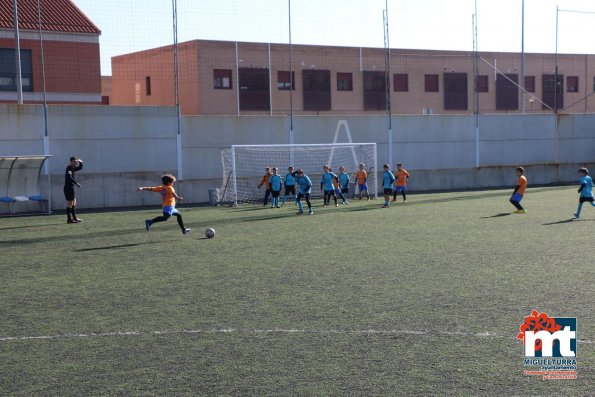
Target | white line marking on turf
(265,331)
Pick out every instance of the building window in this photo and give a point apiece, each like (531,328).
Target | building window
(254,89)
(284,81)
(222,79)
(507,95)
(374,90)
(572,83)
(530,83)
(455,91)
(431,83)
(316,86)
(344,82)
(482,83)
(553,91)
(148,85)
(400,82)
(8,73)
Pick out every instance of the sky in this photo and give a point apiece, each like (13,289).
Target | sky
(133,25)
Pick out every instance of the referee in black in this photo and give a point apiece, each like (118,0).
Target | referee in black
(76,164)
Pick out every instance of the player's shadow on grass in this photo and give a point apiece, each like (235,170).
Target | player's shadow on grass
(567,221)
(31,226)
(116,246)
(497,215)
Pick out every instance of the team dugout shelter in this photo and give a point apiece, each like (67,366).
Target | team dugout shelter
(19,185)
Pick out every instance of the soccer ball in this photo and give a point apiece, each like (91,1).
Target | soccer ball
(210,233)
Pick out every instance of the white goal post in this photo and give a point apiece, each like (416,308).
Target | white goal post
(244,166)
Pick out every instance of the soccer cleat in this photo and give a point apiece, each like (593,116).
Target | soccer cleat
(148,224)
(300,212)
(71,221)
(185,230)
(277,206)
(77,220)
(336,204)
(346,202)
(310,212)
(385,206)
(521,211)
(404,201)
(576,215)
(393,200)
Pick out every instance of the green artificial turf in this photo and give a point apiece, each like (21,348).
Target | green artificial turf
(419,299)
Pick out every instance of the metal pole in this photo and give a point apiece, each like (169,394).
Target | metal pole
(387,83)
(237,80)
(180,163)
(18,75)
(291,138)
(475,87)
(523,57)
(556,67)
(46,136)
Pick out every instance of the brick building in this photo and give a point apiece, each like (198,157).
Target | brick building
(70,53)
(238,78)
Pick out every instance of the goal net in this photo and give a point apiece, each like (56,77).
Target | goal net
(244,166)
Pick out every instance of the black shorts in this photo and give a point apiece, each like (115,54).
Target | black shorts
(344,190)
(69,193)
(275,193)
(290,190)
(329,192)
(388,191)
(302,195)
(585,199)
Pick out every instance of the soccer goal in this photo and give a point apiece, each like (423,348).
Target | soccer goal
(244,166)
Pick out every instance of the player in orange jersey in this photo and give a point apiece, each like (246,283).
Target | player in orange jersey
(361,179)
(401,182)
(519,191)
(168,201)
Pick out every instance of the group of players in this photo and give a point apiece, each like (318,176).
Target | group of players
(332,185)
(297,186)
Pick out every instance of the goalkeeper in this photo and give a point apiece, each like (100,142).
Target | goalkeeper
(305,185)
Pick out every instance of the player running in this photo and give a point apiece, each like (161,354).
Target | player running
(585,190)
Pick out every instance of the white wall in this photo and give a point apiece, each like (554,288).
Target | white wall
(124,147)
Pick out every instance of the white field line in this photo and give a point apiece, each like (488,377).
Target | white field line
(265,331)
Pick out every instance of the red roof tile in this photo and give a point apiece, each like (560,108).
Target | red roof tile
(56,16)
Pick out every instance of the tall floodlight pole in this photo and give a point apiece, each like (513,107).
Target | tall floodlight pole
(556,67)
(387,83)
(475,87)
(177,92)
(523,57)
(291,140)
(18,76)
(46,136)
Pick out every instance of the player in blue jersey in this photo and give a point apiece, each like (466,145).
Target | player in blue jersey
(327,185)
(387,185)
(289,183)
(344,180)
(586,190)
(305,185)
(276,183)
